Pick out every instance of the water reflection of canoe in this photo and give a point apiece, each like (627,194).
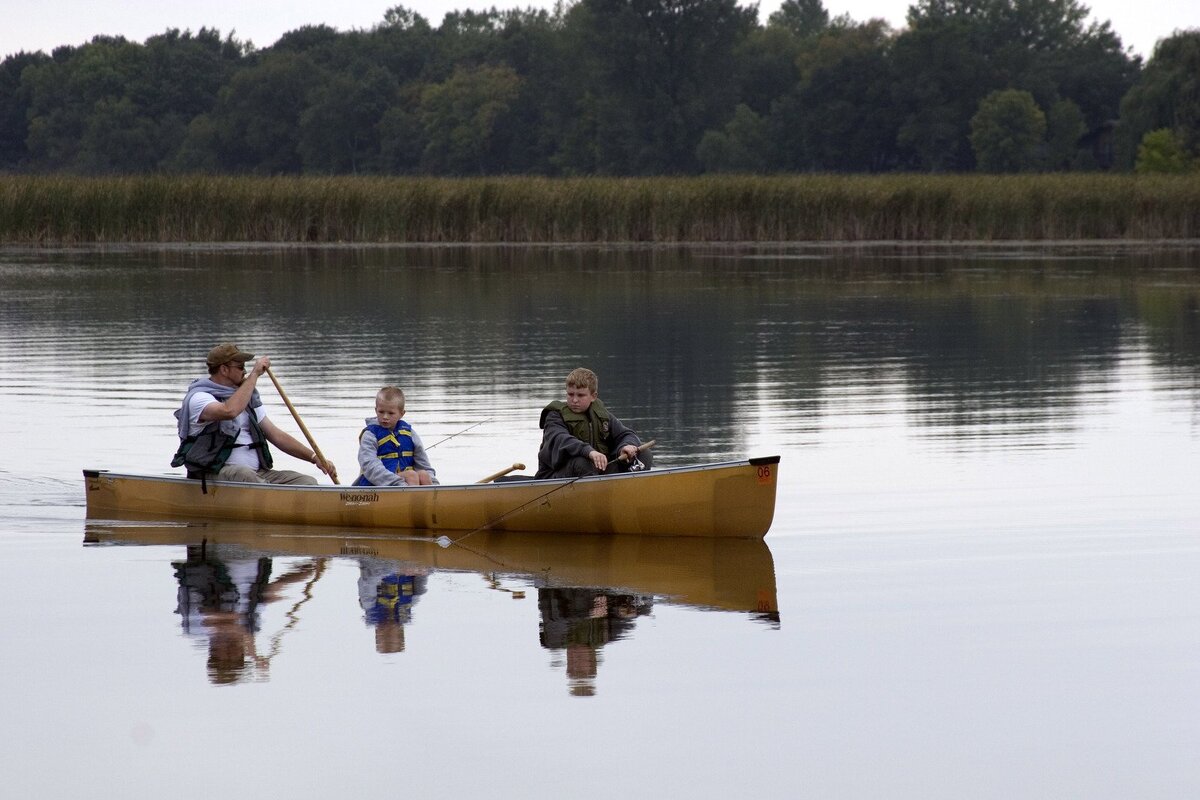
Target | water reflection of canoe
(731,499)
(725,574)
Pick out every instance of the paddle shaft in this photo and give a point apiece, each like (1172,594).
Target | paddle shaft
(501,473)
(303,428)
(517,466)
(641,447)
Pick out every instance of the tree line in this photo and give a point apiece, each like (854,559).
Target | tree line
(617,87)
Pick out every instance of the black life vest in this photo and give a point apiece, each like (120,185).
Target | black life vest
(206,452)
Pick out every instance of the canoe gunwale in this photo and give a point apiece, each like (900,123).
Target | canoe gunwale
(493,487)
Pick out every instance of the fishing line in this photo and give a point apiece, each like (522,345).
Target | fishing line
(445,541)
(460,433)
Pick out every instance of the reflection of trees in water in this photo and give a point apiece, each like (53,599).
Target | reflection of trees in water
(689,340)
(581,621)
(1171,315)
(1000,365)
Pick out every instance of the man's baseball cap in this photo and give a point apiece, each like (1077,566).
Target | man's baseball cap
(226,352)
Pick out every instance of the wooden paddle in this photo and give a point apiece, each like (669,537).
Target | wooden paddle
(641,447)
(304,428)
(501,473)
(446,541)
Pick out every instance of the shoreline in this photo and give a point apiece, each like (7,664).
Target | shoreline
(780,246)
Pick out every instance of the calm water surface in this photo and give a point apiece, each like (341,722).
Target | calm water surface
(981,580)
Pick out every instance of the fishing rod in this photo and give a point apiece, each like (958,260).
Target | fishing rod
(460,433)
(446,541)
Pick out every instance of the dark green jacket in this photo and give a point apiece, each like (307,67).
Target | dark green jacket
(592,427)
(567,435)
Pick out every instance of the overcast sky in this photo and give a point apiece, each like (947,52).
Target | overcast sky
(28,25)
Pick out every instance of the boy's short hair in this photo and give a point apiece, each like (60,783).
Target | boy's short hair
(584,378)
(391,394)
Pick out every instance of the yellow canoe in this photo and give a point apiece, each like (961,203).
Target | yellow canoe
(722,574)
(733,499)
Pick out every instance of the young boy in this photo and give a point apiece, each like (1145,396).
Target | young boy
(390,453)
(580,437)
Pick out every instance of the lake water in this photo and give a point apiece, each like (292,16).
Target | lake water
(981,580)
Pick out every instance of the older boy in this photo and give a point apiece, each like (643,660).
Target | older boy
(580,437)
(390,453)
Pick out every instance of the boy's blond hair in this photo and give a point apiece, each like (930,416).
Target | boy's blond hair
(584,378)
(391,394)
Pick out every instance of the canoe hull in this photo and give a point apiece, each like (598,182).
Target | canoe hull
(715,573)
(734,499)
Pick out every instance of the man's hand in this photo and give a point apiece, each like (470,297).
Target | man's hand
(326,466)
(599,460)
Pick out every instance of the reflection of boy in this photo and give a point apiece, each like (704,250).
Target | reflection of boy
(580,437)
(387,595)
(390,453)
(581,621)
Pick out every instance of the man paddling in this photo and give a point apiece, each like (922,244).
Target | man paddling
(580,437)
(224,430)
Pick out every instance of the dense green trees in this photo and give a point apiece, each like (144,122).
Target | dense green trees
(1166,97)
(840,114)
(1162,151)
(620,87)
(1008,131)
(657,74)
(956,52)
(117,106)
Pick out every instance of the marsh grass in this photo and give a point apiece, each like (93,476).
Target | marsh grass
(69,209)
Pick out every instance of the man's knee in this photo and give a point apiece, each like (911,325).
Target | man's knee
(289,477)
(240,473)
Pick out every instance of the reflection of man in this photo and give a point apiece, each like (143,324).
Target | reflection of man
(221,590)
(387,591)
(581,621)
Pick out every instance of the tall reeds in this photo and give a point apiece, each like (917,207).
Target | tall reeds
(67,209)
